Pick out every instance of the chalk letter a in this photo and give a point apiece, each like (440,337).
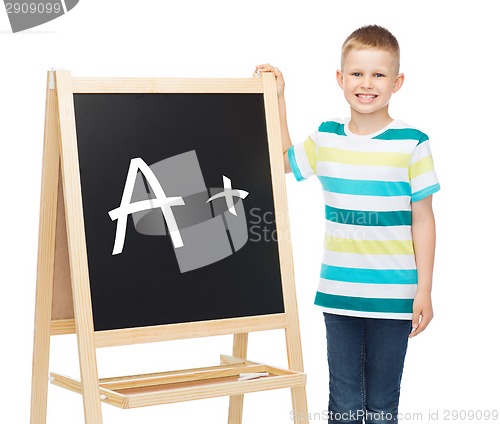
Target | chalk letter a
(162,201)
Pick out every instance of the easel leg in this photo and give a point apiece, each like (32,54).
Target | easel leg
(299,404)
(77,250)
(45,267)
(295,362)
(240,346)
(41,353)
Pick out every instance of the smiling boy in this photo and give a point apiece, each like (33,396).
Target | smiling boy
(378,178)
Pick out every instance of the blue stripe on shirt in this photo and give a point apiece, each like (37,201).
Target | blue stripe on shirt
(365,187)
(293,164)
(421,194)
(369,276)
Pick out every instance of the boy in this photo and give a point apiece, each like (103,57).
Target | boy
(378,179)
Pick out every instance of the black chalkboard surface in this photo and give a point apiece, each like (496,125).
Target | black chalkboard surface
(163,216)
(197,146)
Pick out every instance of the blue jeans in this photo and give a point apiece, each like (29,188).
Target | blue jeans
(366,358)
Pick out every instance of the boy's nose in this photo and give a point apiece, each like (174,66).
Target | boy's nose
(367,82)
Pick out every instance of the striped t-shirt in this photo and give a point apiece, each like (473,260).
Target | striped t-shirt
(369,183)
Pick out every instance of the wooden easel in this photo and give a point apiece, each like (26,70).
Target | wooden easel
(63,299)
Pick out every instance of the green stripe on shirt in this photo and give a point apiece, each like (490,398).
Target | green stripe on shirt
(370,218)
(332,127)
(402,134)
(364,304)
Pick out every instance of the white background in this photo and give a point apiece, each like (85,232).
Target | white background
(450,58)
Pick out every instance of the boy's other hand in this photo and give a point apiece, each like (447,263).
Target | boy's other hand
(280,82)
(422,313)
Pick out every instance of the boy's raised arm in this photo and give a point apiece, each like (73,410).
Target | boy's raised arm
(285,135)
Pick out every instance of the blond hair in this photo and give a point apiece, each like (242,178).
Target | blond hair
(371,37)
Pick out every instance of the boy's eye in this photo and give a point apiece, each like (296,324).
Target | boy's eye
(356,74)
(379,75)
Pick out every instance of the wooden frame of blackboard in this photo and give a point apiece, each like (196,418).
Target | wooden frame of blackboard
(63,298)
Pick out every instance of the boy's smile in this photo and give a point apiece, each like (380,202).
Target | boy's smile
(366,98)
(368,79)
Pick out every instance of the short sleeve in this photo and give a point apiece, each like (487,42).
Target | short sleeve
(302,158)
(423,177)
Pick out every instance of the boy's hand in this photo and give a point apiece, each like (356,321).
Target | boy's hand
(280,82)
(422,313)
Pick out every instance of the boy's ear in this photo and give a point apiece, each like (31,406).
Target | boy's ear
(398,83)
(340,79)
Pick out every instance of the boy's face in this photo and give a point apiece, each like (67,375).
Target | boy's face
(369,79)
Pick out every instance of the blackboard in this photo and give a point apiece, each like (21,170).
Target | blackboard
(163,216)
(225,134)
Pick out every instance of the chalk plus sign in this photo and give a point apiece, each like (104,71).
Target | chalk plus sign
(228,193)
